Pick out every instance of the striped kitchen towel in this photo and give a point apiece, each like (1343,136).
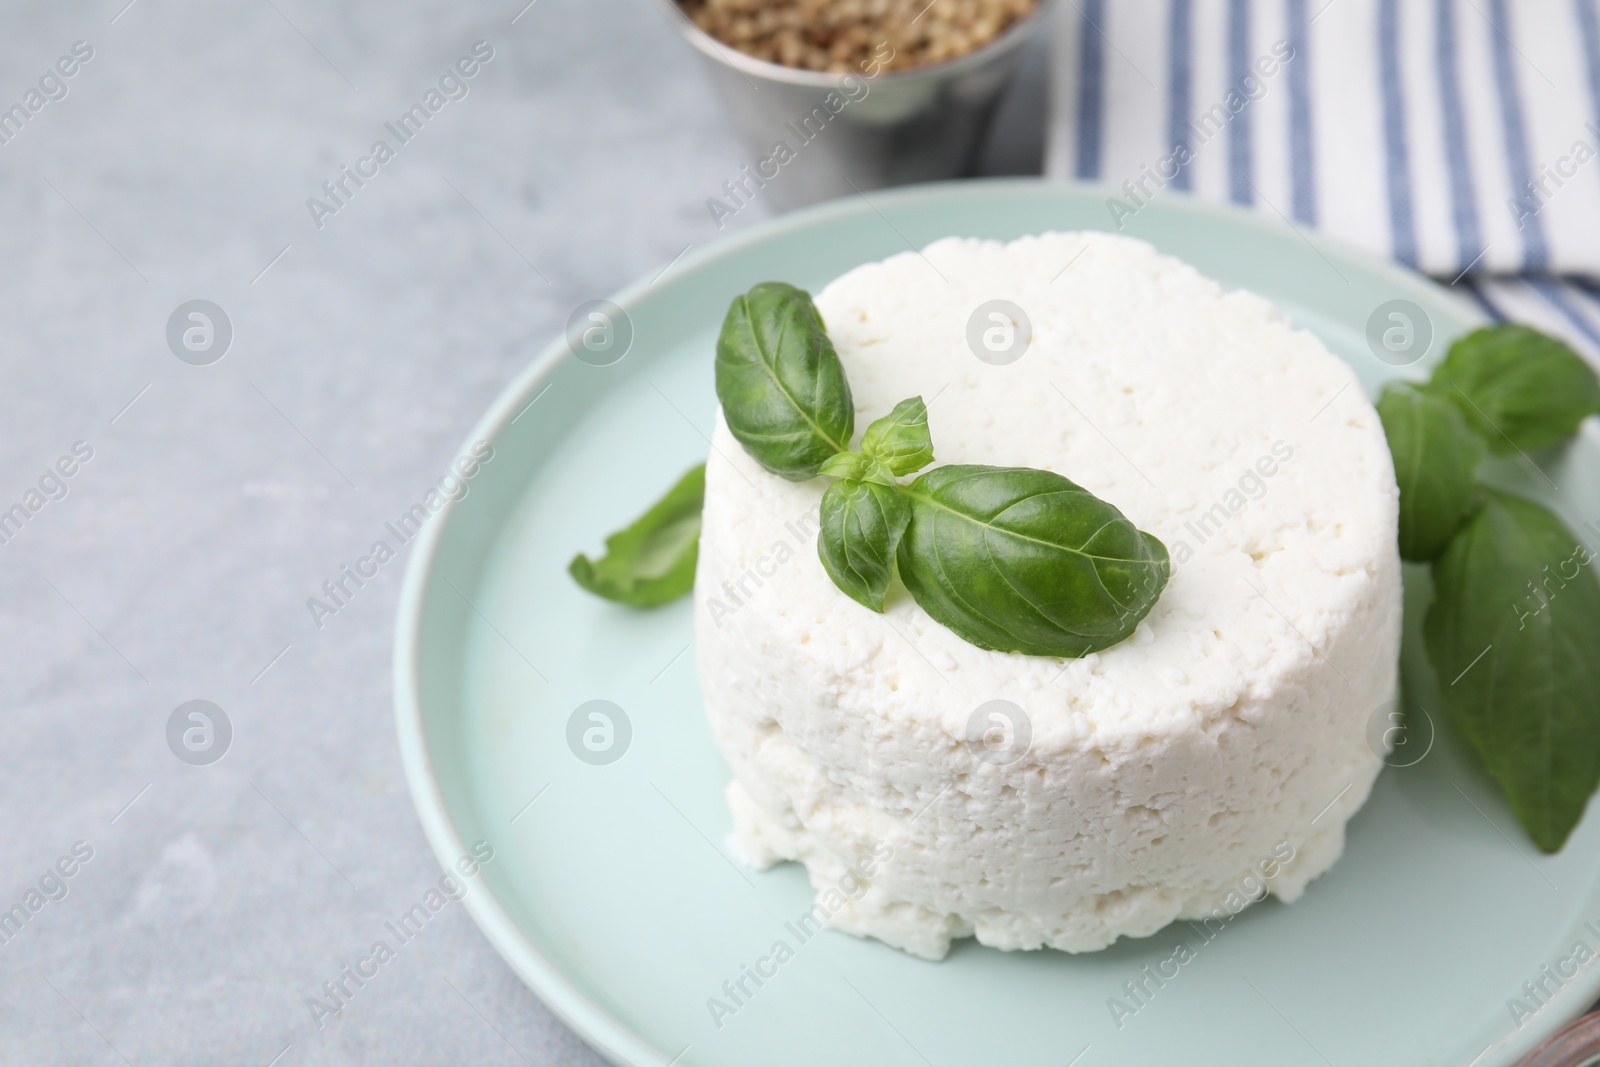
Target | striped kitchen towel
(1460,137)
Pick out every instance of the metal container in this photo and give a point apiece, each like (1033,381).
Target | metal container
(815,136)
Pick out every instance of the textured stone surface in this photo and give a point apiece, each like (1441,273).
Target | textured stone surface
(178,563)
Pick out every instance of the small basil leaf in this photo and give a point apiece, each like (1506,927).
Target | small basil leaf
(1022,560)
(1511,634)
(652,561)
(1517,387)
(900,440)
(1435,455)
(781,385)
(851,466)
(862,524)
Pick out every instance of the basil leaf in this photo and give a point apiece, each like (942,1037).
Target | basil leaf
(851,466)
(1022,560)
(1515,588)
(862,524)
(1435,455)
(781,385)
(900,440)
(652,561)
(1518,388)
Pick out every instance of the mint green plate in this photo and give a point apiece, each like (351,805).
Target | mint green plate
(611,892)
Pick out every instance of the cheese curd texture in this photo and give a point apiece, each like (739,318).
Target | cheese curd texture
(1165,778)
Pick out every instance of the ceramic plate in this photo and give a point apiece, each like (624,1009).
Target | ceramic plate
(612,892)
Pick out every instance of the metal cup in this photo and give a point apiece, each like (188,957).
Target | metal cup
(816,136)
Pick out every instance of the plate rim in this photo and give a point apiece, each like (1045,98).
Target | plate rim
(609,1036)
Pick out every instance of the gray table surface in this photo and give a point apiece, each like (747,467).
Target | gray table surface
(217,499)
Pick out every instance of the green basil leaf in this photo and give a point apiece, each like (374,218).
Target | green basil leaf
(1518,388)
(857,467)
(781,385)
(862,524)
(652,561)
(900,440)
(851,466)
(1512,637)
(1022,560)
(1435,455)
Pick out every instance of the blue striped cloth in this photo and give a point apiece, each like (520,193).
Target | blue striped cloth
(1460,137)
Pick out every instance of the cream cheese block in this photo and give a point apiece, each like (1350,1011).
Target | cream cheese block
(935,790)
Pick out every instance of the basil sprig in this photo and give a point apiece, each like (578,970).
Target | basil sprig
(1519,389)
(782,387)
(899,443)
(1514,626)
(1435,456)
(1009,558)
(652,561)
(1023,560)
(1514,588)
(864,515)
(862,525)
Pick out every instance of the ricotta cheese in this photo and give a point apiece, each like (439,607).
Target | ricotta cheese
(1214,756)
